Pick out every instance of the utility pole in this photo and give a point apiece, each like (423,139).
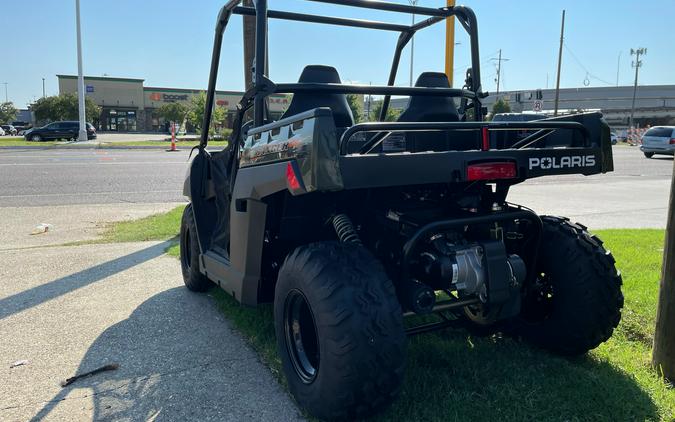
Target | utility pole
(412,44)
(6,97)
(80,77)
(663,352)
(249,46)
(450,43)
(43,88)
(557,83)
(618,66)
(499,67)
(636,64)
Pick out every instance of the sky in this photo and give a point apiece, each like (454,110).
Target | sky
(168,43)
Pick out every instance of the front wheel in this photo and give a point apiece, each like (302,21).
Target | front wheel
(575,301)
(339,330)
(189,254)
(36,138)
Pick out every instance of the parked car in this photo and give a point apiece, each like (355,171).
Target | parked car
(59,130)
(658,140)
(518,117)
(21,126)
(2,131)
(9,130)
(614,137)
(500,138)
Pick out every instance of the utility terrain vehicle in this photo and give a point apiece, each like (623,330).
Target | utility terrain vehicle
(350,229)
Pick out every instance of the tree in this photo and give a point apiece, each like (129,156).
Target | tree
(500,106)
(392,115)
(173,112)
(8,112)
(356,104)
(195,114)
(64,107)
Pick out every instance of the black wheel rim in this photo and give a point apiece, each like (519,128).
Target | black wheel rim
(301,336)
(186,253)
(538,304)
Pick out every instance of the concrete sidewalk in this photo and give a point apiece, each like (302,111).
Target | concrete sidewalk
(69,310)
(69,223)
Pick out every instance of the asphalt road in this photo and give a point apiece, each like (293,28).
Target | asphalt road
(634,195)
(61,177)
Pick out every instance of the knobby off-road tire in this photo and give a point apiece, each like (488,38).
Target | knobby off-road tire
(189,254)
(339,330)
(576,301)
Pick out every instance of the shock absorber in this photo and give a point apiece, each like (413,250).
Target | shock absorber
(345,229)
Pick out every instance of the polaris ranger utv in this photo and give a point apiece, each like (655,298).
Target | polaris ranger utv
(350,229)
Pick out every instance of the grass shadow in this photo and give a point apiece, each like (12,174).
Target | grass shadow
(452,375)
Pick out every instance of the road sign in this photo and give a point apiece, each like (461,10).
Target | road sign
(538,106)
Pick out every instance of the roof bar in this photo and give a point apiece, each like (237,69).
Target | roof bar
(288,88)
(391,7)
(357,23)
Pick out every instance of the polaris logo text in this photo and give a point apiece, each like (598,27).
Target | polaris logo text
(566,162)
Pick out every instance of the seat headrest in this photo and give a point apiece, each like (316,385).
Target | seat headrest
(303,101)
(433,80)
(320,74)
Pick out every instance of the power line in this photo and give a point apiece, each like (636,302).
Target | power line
(588,72)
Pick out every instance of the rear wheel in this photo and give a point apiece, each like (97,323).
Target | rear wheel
(649,154)
(339,330)
(575,302)
(189,254)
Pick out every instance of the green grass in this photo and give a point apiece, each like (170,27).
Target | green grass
(19,141)
(161,226)
(453,375)
(163,144)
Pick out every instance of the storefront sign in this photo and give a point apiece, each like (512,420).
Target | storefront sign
(168,98)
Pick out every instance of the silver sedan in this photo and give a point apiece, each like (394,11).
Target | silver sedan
(658,140)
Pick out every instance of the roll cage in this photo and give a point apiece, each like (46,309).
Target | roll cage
(262,87)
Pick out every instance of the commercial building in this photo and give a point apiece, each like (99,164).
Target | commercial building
(654,104)
(129,106)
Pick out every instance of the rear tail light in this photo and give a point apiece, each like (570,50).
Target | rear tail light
(294,179)
(672,141)
(491,171)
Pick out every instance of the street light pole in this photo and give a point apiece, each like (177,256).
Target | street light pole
(43,88)
(636,64)
(80,77)
(6,97)
(412,44)
(557,82)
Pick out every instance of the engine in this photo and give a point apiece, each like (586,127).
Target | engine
(468,263)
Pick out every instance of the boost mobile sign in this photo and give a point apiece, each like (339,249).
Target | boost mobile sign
(168,98)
